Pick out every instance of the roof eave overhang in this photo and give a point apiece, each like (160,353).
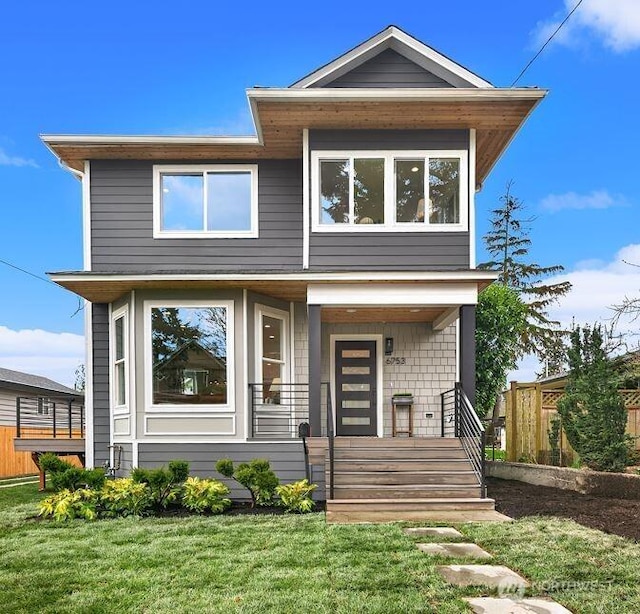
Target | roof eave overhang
(108,287)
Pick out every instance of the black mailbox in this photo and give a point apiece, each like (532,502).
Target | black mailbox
(304,430)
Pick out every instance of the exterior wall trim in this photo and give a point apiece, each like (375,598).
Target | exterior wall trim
(305,198)
(187,433)
(472,198)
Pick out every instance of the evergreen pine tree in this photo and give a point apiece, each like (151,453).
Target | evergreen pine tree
(593,413)
(508,244)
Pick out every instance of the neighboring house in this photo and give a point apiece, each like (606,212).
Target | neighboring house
(326,264)
(39,400)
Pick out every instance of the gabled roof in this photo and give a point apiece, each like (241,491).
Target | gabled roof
(18,379)
(406,45)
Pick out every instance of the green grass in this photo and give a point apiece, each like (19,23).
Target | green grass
(500,455)
(287,564)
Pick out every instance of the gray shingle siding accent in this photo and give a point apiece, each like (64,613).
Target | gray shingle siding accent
(122,223)
(100,349)
(287,459)
(388,69)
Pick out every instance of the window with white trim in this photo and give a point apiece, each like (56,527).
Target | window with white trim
(119,356)
(273,352)
(206,201)
(188,354)
(389,191)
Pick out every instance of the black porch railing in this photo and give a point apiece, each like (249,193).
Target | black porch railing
(47,418)
(460,420)
(278,408)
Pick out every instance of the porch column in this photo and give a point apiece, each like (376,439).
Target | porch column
(315,368)
(467,351)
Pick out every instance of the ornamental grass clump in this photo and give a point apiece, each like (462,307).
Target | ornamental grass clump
(202,496)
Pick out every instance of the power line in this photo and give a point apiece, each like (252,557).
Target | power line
(48,281)
(535,57)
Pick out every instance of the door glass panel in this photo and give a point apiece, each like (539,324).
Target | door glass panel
(356,370)
(271,338)
(356,421)
(356,387)
(356,404)
(356,353)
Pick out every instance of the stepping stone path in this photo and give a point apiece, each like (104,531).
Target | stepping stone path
(494,576)
(434,532)
(455,550)
(504,605)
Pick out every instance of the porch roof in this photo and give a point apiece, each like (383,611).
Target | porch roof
(98,287)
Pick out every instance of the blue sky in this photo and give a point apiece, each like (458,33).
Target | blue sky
(122,68)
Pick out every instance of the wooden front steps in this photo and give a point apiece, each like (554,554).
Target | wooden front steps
(384,479)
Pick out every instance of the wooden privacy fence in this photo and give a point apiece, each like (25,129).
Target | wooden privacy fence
(530,408)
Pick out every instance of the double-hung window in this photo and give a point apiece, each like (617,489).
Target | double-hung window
(205,201)
(119,359)
(389,191)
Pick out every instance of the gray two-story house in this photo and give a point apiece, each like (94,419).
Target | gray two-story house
(320,271)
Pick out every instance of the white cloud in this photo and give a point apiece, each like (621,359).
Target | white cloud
(40,352)
(615,22)
(598,199)
(7,160)
(597,286)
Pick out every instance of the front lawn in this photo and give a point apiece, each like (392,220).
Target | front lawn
(287,564)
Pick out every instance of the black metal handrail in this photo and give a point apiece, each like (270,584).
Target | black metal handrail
(277,409)
(49,418)
(331,438)
(460,420)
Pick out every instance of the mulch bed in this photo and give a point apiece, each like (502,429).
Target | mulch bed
(518,499)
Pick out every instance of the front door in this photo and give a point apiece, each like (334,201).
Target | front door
(356,388)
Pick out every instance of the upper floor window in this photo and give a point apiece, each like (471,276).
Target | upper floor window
(205,201)
(388,191)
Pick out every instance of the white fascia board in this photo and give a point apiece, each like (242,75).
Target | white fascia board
(396,94)
(434,276)
(100,139)
(426,295)
(391,37)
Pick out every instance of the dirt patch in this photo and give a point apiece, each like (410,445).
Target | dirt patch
(518,499)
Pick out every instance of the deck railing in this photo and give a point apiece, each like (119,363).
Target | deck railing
(460,420)
(277,409)
(49,418)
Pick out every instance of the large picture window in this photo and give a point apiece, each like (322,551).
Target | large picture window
(206,201)
(189,351)
(389,191)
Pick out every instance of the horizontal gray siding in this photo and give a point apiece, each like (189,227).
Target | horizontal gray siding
(100,356)
(122,224)
(388,139)
(388,69)
(389,251)
(287,460)
(126,459)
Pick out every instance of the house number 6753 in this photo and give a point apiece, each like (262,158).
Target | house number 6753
(397,361)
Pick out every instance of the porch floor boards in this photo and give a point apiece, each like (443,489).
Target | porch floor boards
(389,479)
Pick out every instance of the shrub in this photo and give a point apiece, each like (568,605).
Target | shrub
(68,504)
(256,476)
(205,495)
(164,484)
(125,497)
(593,413)
(65,476)
(296,497)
